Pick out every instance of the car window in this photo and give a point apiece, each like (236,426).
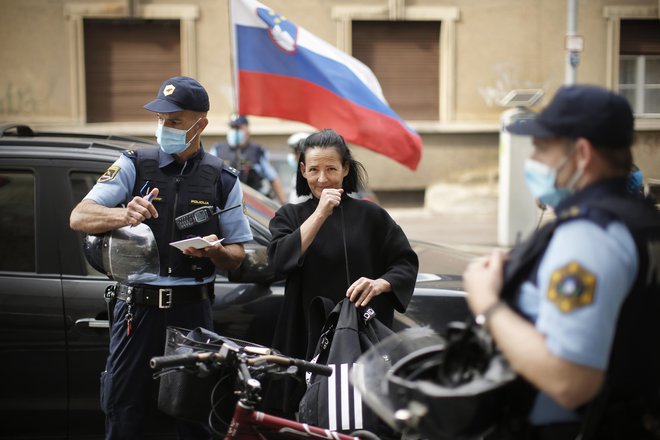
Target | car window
(81,183)
(17,221)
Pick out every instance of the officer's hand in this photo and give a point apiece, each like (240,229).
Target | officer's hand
(330,199)
(208,251)
(365,289)
(483,280)
(140,208)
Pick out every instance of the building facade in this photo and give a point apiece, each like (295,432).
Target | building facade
(445,67)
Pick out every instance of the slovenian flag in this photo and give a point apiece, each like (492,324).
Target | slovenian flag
(283,71)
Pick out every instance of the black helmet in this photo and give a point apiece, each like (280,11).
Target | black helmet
(458,390)
(127,254)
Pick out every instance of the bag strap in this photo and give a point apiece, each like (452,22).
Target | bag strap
(319,319)
(343,236)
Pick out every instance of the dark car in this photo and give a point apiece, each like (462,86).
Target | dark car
(53,318)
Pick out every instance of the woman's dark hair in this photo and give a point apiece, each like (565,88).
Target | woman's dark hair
(328,138)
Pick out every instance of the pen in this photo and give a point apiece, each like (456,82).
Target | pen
(145,188)
(148,197)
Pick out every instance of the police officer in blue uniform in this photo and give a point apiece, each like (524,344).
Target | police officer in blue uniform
(575,308)
(250,159)
(153,185)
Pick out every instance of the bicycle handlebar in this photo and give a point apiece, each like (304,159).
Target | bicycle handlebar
(178,360)
(190,359)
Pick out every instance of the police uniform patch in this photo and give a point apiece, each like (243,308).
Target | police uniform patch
(571,287)
(109,174)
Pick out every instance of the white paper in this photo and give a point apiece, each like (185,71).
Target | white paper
(195,242)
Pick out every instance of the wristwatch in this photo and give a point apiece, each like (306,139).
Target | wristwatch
(483,317)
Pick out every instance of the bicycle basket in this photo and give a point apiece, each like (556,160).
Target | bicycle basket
(189,394)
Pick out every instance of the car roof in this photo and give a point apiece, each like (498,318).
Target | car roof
(19,140)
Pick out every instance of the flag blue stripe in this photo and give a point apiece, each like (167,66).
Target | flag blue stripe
(258,53)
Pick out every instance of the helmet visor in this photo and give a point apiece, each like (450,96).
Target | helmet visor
(130,254)
(374,364)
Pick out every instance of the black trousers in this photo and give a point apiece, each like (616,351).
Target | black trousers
(127,385)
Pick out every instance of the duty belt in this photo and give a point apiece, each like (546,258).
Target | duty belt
(164,297)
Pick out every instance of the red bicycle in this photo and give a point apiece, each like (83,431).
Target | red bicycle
(244,364)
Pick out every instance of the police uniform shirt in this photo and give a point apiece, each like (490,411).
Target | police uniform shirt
(234,226)
(263,168)
(582,281)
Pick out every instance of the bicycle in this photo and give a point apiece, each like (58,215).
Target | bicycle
(247,362)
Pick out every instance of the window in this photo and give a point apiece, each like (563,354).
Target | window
(81,183)
(17,222)
(125,62)
(639,65)
(397,51)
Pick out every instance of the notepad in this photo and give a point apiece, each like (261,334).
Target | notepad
(195,242)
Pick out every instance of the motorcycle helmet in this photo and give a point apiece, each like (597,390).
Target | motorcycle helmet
(128,254)
(458,391)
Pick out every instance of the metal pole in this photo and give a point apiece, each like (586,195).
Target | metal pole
(572,56)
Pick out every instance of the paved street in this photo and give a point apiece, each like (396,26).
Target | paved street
(463,216)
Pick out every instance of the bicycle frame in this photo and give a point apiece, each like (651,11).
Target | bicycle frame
(249,424)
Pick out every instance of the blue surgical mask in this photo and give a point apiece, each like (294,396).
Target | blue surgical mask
(235,137)
(172,140)
(541,179)
(635,182)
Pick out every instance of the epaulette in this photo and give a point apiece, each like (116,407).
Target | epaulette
(230,169)
(598,215)
(131,154)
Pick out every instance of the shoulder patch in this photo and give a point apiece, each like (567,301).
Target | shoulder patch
(109,174)
(572,287)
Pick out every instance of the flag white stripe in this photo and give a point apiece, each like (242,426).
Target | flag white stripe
(357,401)
(244,12)
(332,399)
(345,410)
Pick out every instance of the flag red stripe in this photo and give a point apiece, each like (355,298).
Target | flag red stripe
(299,100)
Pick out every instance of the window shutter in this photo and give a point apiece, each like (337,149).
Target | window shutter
(640,37)
(126,61)
(404,56)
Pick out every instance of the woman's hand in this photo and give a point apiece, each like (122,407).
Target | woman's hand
(483,280)
(364,290)
(330,199)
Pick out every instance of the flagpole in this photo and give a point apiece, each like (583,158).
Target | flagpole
(232,40)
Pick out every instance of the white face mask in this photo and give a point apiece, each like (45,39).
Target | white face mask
(235,137)
(172,140)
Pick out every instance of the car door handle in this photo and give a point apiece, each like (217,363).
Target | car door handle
(92,323)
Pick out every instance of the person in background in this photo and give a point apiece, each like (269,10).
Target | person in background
(575,308)
(335,246)
(295,142)
(153,185)
(251,160)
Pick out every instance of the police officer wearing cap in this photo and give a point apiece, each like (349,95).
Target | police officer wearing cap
(153,185)
(250,159)
(575,308)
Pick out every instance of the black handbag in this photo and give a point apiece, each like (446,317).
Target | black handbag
(332,402)
(191,394)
